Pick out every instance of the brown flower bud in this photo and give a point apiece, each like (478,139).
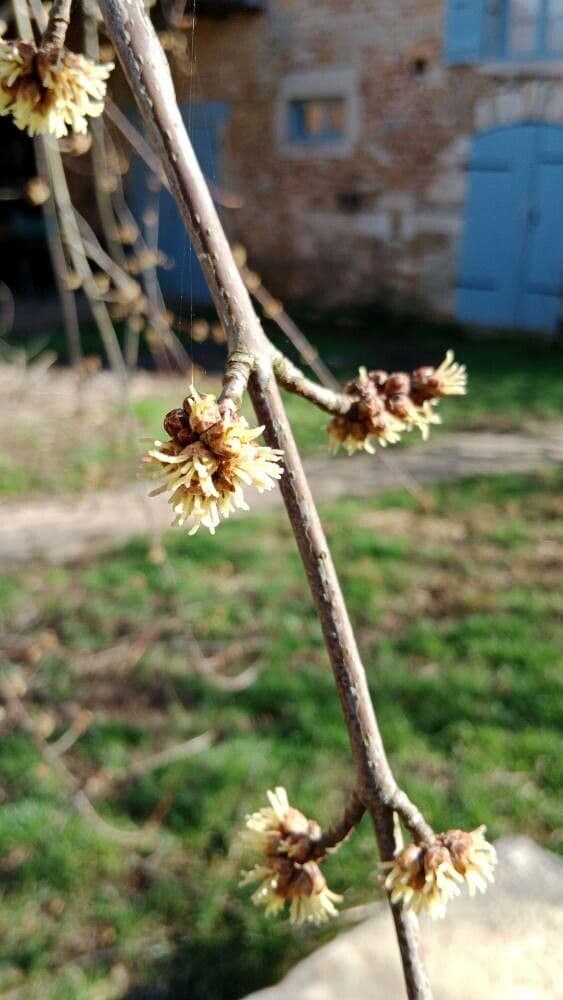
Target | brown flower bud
(273,308)
(199,330)
(458,843)
(436,854)
(175,421)
(400,406)
(424,383)
(37,191)
(398,382)
(378,377)
(239,253)
(298,847)
(307,881)
(368,409)
(358,386)
(411,856)
(218,334)
(186,436)
(252,280)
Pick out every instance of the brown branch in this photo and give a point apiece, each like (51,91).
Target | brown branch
(309,354)
(148,73)
(275,311)
(377,786)
(54,35)
(78,797)
(170,755)
(225,198)
(294,380)
(59,263)
(73,241)
(340,831)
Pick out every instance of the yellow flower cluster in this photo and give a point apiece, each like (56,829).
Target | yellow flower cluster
(427,876)
(47,92)
(384,406)
(210,456)
(282,836)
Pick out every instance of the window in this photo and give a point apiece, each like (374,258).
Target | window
(531,29)
(318,113)
(317,120)
(519,30)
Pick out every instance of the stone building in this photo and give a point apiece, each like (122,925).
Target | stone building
(404,150)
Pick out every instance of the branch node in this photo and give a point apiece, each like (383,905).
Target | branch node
(240,364)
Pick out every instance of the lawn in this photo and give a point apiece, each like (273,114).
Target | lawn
(458,619)
(514,384)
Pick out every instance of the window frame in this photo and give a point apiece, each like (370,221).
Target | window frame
(330,83)
(499,46)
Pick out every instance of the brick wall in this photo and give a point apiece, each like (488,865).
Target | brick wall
(384,220)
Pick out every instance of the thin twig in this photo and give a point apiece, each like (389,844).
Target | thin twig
(58,263)
(224,198)
(57,25)
(340,831)
(170,755)
(77,729)
(78,796)
(73,241)
(309,354)
(275,311)
(294,380)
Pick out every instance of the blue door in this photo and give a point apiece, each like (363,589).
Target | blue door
(511,268)
(183,279)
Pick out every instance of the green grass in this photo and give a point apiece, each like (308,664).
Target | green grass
(457,613)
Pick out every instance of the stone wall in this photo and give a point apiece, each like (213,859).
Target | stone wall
(384,219)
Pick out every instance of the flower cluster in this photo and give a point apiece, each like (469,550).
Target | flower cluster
(427,876)
(47,91)
(211,454)
(384,406)
(283,838)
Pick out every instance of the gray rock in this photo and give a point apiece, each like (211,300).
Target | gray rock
(504,945)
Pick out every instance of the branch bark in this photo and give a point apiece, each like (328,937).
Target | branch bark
(294,380)
(55,33)
(148,74)
(58,261)
(340,831)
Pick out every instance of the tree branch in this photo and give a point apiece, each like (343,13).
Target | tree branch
(54,35)
(276,312)
(144,64)
(294,380)
(340,831)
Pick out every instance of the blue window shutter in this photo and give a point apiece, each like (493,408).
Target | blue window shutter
(465,31)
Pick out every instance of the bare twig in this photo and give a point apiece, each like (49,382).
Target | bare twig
(276,312)
(58,262)
(145,66)
(67,222)
(57,25)
(79,726)
(309,354)
(73,241)
(294,380)
(340,831)
(225,198)
(78,796)
(170,755)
